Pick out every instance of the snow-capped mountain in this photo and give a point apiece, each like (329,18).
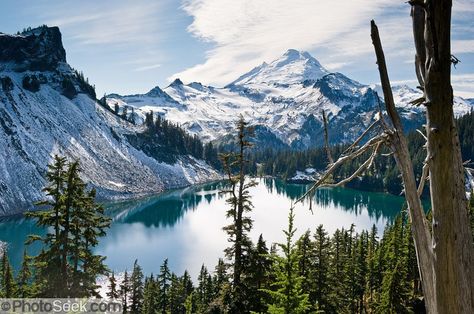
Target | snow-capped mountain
(284,98)
(292,68)
(47,108)
(404,94)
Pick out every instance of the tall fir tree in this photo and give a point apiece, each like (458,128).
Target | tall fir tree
(136,288)
(124,292)
(164,282)
(8,287)
(66,264)
(239,203)
(112,292)
(321,271)
(150,296)
(24,278)
(288,296)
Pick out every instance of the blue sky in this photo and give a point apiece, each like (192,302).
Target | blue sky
(131,46)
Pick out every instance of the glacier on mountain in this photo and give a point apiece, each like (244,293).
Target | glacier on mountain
(285,96)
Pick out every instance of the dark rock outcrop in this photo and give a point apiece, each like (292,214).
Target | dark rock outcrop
(39,49)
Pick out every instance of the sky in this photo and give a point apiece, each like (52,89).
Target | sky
(129,47)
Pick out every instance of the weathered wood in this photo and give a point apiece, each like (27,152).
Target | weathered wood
(420,230)
(451,235)
(369,144)
(359,139)
(365,166)
(424,177)
(418,17)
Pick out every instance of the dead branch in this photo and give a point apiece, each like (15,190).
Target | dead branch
(455,60)
(326,138)
(424,136)
(381,117)
(424,177)
(375,141)
(418,17)
(357,141)
(366,165)
(399,146)
(385,81)
(419,101)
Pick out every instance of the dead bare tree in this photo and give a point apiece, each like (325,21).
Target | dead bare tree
(446,253)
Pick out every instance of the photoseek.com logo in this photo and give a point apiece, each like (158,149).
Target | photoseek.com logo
(60,306)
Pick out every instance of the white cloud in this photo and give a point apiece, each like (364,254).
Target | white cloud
(247,32)
(107,22)
(462,46)
(463,84)
(148,67)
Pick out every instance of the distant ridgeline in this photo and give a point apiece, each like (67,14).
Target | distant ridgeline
(385,176)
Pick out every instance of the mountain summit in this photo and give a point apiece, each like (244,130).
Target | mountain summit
(283,99)
(34,49)
(292,67)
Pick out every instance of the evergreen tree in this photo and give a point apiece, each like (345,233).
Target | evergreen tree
(240,203)
(48,262)
(372,281)
(164,280)
(24,278)
(203,292)
(360,270)
(321,272)
(66,264)
(337,274)
(258,277)
(289,296)
(113,292)
(136,288)
(124,292)
(8,282)
(150,296)
(394,290)
(349,269)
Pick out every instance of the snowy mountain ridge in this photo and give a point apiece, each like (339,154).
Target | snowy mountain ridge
(285,97)
(292,67)
(46,108)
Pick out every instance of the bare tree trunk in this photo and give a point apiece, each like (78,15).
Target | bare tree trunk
(446,253)
(451,235)
(399,146)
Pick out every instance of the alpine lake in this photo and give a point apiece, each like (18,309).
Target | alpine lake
(185,225)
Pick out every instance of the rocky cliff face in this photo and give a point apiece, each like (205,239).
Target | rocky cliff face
(40,49)
(47,108)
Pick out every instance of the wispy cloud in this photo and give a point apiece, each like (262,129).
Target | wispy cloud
(247,32)
(148,67)
(109,22)
(463,84)
(462,46)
